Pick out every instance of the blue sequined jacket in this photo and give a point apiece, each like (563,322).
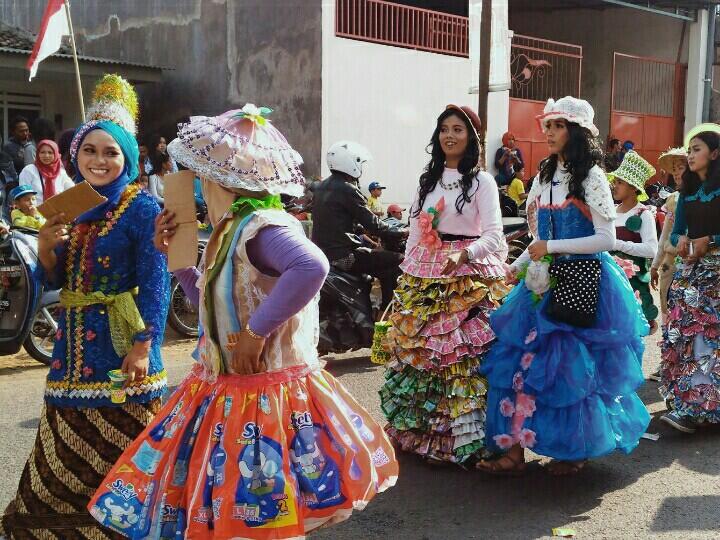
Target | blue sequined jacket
(112,255)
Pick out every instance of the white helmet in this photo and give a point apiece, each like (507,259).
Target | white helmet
(348,157)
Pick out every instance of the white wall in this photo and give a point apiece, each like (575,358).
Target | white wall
(388,99)
(697,55)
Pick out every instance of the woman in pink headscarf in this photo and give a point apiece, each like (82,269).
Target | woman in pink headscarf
(47,175)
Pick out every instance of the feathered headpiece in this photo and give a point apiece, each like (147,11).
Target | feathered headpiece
(114,99)
(114,109)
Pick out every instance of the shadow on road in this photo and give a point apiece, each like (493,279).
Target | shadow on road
(698,513)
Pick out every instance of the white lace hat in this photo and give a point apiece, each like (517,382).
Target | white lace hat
(571,109)
(240,149)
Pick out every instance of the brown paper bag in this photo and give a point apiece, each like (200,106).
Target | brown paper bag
(72,202)
(180,198)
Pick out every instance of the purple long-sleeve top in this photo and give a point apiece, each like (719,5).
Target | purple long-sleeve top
(276,251)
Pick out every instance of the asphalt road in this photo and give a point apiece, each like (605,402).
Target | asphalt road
(665,489)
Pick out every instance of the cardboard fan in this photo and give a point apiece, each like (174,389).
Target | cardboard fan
(72,202)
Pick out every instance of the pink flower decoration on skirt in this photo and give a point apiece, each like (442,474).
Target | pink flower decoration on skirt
(526,438)
(525,405)
(431,240)
(425,222)
(526,360)
(56,364)
(627,266)
(507,409)
(58,334)
(518,382)
(503,441)
(87,371)
(531,336)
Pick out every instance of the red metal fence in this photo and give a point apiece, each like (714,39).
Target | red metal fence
(402,26)
(647,103)
(541,69)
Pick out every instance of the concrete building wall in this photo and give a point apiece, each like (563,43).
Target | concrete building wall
(388,99)
(601,32)
(223,53)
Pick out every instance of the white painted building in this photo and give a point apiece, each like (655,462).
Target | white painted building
(380,91)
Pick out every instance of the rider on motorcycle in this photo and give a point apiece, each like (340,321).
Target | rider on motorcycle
(338,206)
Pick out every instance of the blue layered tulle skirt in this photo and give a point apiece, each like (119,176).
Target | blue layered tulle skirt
(564,391)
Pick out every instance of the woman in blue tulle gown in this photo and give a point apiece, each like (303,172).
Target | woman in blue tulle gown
(563,390)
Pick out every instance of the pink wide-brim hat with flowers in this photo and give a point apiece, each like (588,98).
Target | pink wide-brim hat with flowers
(577,111)
(240,149)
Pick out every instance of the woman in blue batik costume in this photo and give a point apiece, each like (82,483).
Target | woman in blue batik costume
(561,390)
(114,303)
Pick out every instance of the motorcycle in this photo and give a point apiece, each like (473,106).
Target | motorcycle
(28,311)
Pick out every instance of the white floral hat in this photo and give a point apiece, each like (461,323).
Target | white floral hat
(240,149)
(571,109)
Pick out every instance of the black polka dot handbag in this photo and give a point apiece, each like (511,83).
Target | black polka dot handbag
(574,298)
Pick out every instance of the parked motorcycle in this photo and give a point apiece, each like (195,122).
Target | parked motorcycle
(28,312)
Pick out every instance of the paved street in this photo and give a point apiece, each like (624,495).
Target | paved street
(665,489)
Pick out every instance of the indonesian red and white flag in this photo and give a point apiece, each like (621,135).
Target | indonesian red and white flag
(53,27)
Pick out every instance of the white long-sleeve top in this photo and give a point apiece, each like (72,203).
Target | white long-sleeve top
(602,210)
(648,234)
(156,188)
(31,176)
(480,217)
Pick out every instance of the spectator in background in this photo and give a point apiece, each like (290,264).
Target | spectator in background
(42,130)
(161,165)
(158,145)
(18,142)
(614,155)
(516,189)
(64,142)
(508,160)
(374,204)
(626,147)
(46,176)
(145,165)
(395,211)
(26,213)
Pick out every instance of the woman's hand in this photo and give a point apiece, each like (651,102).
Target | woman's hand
(510,274)
(246,355)
(136,362)
(53,233)
(538,249)
(455,261)
(683,246)
(700,248)
(654,278)
(165,227)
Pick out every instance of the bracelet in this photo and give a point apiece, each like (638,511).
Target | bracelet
(253,334)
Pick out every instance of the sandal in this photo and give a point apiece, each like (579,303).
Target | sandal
(565,468)
(495,467)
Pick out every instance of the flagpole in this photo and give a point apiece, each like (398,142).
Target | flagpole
(75,59)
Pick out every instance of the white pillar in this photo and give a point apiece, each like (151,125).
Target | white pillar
(697,54)
(499,96)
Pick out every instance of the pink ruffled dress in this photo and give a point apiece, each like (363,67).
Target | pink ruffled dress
(433,398)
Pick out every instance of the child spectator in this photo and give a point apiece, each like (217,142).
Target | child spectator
(516,189)
(25,213)
(376,207)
